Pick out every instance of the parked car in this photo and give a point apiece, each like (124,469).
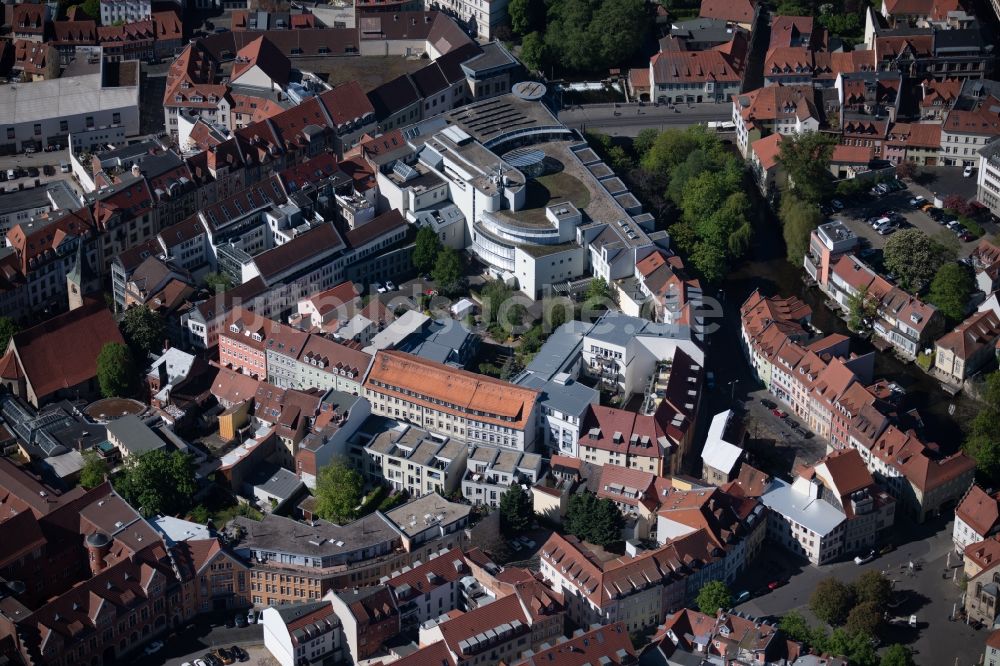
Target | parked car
(251,616)
(865,559)
(153,647)
(967,172)
(49,170)
(389,286)
(211,659)
(917,201)
(770,404)
(230,622)
(775,584)
(241,620)
(33,172)
(200,662)
(886,549)
(742,596)
(780,414)
(808,434)
(380,288)
(837,204)
(965,237)
(887,229)
(239,653)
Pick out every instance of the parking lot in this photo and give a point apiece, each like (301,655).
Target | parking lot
(775,446)
(926,591)
(898,204)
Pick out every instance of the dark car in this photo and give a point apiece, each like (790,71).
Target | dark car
(239,653)
(225,656)
(49,170)
(767,403)
(33,172)
(241,620)
(211,659)
(230,622)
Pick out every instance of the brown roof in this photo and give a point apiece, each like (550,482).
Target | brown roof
(369,231)
(737,11)
(980,511)
(28,18)
(75,32)
(851,154)
(606,645)
(788,29)
(777,102)
(980,330)
(443,387)
(346,103)
(918,463)
(692,66)
(22,491)
(168,25)
(767,150)
(262,53)
(42,349)
(318,239)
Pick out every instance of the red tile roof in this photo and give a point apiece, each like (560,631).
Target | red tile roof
(692,66)
(262,53)
(347,103)
(607,645)
(982,120)
(979,331)
(737,11)
(167,25)
(980,511)
(851,154)
(42,349)
(767,150)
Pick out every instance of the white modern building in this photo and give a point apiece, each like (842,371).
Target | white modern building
(46,113)
(413,460)
(482,17)
(988,176)
(126,11)
(491,471)
(304,633)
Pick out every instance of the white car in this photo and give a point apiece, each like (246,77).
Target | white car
(967,172)
(186,663)
(389,286)
(380,288)
(251,617)
(865,559)
(199,662)
(153,647)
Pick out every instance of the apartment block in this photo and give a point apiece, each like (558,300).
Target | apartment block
(490,472)
(413,460)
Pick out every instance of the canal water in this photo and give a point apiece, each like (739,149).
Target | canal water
(767,269)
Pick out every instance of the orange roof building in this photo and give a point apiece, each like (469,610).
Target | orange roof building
(459,404)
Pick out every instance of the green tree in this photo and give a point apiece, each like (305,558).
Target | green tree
(857,647)
(831,601)
(92,8)
(607,525)
(115,370)
(526,16)
(643,142)
(951,289)
(158,482)
(448,271)
(798,219)
(426,249)
(862,309)
(617,30)
(94,470)
(593,35)
(914,257)
(516,511)
(872,587)
(864,618)
(806,159)
(983,446)
(897,655)
(218,282)
(8,329)
(713,596)
(338,492)
(595,520)
(796,627)
(534,51)
(143,330)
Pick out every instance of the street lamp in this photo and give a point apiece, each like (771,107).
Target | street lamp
(732,390)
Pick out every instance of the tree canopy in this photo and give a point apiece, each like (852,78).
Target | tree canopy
(705,182)
(806,159)
(218,282)
(448,271)
(8,329)
(115,370)
(595,520)
(873,587)
(158,482)
(897,655)
(862,308)
(798,219)
(951,289)
(94,470)
(526,16)
(864,618)
(831,601)
(143,330)
(914,257)
(426,249)
(983,441)
(516,510)
(712,596)
(338,492)
(591,35)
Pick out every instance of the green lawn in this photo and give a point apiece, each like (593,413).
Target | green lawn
(544,190)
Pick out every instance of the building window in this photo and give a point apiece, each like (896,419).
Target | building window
(38,129)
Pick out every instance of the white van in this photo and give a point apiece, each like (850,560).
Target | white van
(64,167)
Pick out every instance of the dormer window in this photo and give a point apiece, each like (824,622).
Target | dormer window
(197,98)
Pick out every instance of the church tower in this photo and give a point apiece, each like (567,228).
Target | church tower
(80,281)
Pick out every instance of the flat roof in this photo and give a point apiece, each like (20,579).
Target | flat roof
(135,435)
(56,98)
(424,512)
(816,515)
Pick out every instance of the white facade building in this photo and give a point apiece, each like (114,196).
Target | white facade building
(126,11)
(303,633)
